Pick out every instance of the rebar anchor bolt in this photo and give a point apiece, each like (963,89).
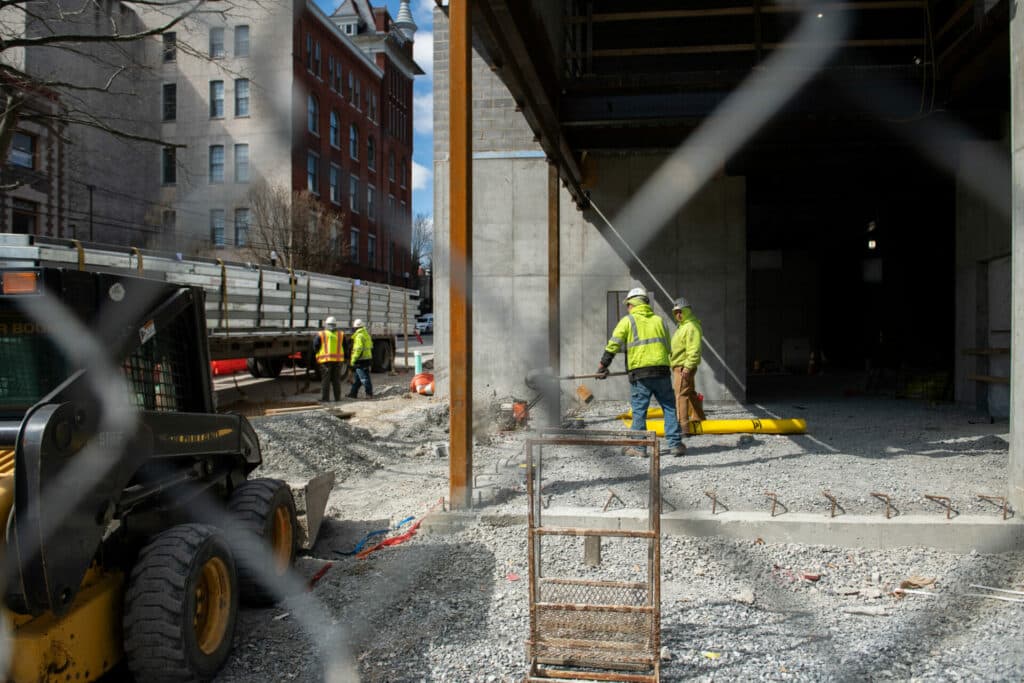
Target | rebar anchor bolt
(999,500)
(835,503)
(713,495)
(888,503)
(944,501)
(772,496)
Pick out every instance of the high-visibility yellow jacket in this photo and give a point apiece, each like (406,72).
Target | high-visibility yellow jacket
(362,346)
(329,349)
(686,341)
(642,335)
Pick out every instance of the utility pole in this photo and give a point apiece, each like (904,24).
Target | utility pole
(90,188)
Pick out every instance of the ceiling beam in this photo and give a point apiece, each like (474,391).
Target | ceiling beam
(776,8)
(739,47)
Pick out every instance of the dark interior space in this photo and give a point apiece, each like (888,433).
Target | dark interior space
(850,267)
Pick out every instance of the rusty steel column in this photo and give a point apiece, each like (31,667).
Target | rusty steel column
(460,202)
(554,279)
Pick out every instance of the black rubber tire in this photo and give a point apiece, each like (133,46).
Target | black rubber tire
(382,356)
(269,367)
(160,641)
(252,507)
(253,366)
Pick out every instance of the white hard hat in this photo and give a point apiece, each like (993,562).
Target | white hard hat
(636,292)
(680,303)
(330,323)
(358,323)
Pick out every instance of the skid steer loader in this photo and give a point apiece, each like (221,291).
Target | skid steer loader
(134,542)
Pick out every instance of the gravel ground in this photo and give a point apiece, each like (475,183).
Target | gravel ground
(454,607)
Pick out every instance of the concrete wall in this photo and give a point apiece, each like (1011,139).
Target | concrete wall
(982,306)
(701,253)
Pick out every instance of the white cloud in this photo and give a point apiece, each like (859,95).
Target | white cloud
(423,13)
(423,112)
(423,52)
(420,176)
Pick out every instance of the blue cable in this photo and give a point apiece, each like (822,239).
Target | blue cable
(367,537)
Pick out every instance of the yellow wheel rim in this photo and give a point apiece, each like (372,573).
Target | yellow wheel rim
(281,539)
(213,605)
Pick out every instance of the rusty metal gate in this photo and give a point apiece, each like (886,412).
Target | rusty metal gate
(587,629)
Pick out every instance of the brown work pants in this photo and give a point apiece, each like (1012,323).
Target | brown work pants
(688,406)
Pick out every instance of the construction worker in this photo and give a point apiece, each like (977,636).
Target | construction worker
(329,356)
(643,336)
(362,359)
(686,343)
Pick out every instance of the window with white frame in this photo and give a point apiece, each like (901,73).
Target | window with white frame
(216,99)
(353,193)
(351,87)
(316,59)
(371,202)
(313,172)
(313,115)
(241,163)
(243,219)
(335,130)
(216,43)
(353,245)
(217,227)
(242,41)
(309,51)
(353,141)
(242,97)
(335,180)
(216,163)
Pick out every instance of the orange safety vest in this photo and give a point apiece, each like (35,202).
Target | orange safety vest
(330,347)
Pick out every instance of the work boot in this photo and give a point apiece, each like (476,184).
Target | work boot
(679,450)
(634,452)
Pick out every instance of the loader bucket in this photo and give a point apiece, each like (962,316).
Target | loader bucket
(310,503)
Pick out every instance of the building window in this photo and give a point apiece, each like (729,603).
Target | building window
(242,41)
(371,154)
(358,98)
(353,245)
(217,227)
(23,150)
(170,46)
(309,52)
(337,77)
(351,87)
(169,221)
(405,171)
(330,71)
(373,106)
(242,222)
(216,43)
(216,163)
(170,101)
(371,250)
(335,130)
(350,29)
(241,163)
(169,165)
(335,184)
(242,97)
(316,59)
(353,141)
(313,115)
(24,217)
(335,231)
(353,193)
(313,172)
(391,166)
(371,202)
(389,217)
(216,99)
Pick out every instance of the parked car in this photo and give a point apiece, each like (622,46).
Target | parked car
(425,323)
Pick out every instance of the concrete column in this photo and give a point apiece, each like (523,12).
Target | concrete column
(1016,466)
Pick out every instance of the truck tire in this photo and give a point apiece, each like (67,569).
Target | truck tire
(264,537)
(270,367)
(180,606)
(382,356)
(253,366)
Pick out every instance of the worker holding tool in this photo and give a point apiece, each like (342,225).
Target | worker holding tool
(643,336)
(362,359)
(327,347)
(686,344)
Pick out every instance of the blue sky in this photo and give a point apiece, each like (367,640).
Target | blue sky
(423,103)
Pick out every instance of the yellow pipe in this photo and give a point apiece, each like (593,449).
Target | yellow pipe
(656,424)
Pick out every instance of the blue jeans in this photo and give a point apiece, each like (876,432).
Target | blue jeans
(362,377)
(640,398)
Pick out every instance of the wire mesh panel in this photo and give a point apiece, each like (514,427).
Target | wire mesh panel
(157,372)
(586,628)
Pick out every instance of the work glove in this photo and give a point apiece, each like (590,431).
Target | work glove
(602,372)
